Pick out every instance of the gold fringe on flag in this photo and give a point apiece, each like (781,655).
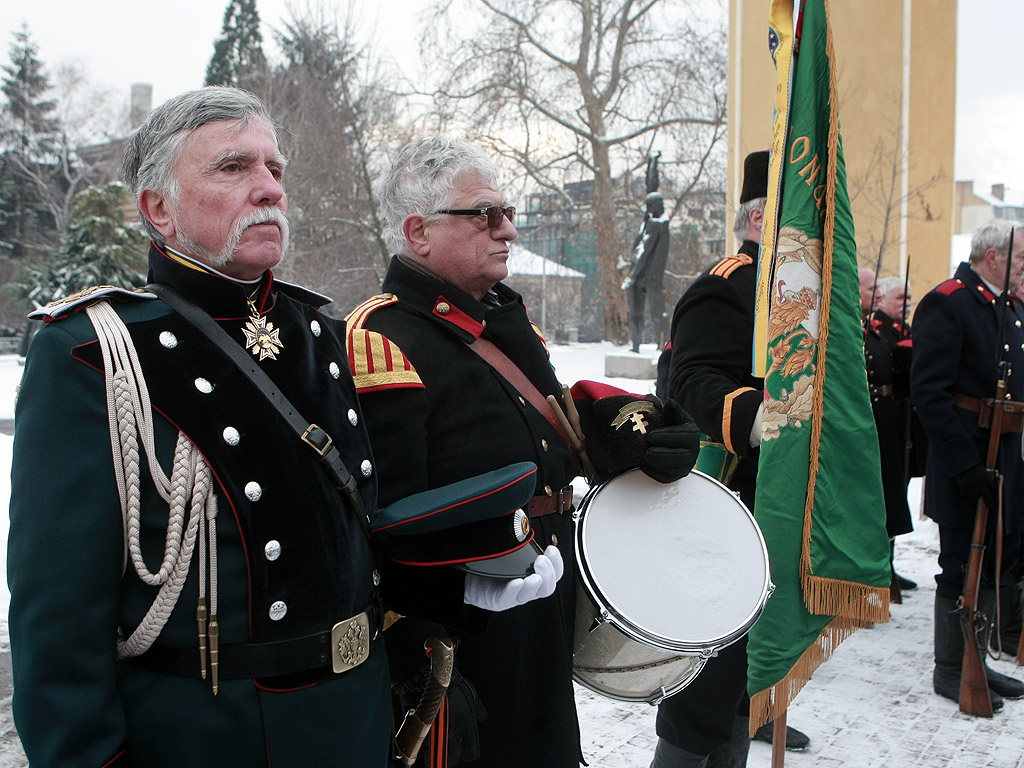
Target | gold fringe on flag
(767,705)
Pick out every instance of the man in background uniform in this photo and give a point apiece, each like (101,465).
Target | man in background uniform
(706,723)
(954,371)
(888,375)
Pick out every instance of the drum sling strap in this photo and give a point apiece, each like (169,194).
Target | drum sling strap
(509,371)
(309,433)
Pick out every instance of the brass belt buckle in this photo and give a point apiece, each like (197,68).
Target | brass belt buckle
(350,643)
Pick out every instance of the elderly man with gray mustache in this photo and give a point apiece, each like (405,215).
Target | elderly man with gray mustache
(189,586)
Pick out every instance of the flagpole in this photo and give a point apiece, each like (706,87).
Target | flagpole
(779,740)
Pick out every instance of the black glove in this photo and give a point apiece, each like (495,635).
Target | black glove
(978,483)
(465,710)
(672,448)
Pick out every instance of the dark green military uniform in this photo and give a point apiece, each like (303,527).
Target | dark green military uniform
(292,556)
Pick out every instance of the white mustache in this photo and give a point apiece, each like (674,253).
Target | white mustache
(265,215)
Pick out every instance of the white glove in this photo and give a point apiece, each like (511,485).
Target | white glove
(755,431)
(502,594)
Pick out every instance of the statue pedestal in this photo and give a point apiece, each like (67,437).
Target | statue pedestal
(631,365)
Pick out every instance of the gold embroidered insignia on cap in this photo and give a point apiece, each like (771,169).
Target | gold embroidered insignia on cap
(634,413)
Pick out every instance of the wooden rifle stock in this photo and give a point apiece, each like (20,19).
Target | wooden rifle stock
(974,696)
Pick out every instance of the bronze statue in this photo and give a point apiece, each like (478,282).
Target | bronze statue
(650,252)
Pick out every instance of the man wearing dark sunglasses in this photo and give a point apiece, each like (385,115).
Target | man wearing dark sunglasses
(492,213)
(454,380)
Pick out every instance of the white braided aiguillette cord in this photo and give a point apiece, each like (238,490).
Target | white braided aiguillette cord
(129,412)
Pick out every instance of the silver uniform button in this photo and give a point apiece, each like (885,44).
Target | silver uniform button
(168,339)
(376,577)
(253,491)
(272,550)
(334,369)
(314,326)
(231,436)
(353,419)
(204,386)
(366,468)
(277,610)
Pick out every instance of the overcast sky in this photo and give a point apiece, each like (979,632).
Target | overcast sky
(169,45)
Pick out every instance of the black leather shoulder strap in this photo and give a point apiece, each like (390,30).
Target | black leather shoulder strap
(310,434)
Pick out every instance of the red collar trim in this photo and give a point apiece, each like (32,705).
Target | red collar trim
(448,312)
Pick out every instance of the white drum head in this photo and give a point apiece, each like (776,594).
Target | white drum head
(680,566)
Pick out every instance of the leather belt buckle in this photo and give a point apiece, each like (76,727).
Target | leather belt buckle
(565,499)
(350,642)
(317,439)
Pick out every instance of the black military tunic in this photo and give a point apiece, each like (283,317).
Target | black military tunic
(292,557)
(879,357)
(955,330)
(438,413)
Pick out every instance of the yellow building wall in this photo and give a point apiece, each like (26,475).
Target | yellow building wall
(896,65)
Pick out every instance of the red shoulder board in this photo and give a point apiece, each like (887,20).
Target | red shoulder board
(950,286)
(730,264)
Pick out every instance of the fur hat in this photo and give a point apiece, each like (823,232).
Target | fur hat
(755,176)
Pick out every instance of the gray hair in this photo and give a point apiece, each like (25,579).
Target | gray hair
(151,153)
(993,234)
(741,225)
(887,285)
(421,179)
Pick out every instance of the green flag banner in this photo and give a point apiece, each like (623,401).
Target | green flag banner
(819,496)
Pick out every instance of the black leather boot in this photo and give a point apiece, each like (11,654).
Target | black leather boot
(733,754)
(1006,686)
(667,755)
(949,653)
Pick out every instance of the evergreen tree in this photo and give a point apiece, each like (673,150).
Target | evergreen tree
(32,128)
(238,53)
(31,141)
(100,247)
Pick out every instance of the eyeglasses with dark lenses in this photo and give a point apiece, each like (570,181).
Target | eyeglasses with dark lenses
(492,212)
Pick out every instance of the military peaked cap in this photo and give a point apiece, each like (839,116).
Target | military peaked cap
(477,524)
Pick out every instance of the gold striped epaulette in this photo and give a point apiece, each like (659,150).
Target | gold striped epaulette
(377,362)
(536,329)
(61,308)
(730,264)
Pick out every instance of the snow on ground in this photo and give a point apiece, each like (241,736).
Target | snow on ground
(870,705)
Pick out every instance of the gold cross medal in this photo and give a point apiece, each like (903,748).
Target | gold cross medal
(262,338)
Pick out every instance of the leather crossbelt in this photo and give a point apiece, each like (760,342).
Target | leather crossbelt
(311,434)
(343,647)
(1013,411)
(560,501)
(511,373)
